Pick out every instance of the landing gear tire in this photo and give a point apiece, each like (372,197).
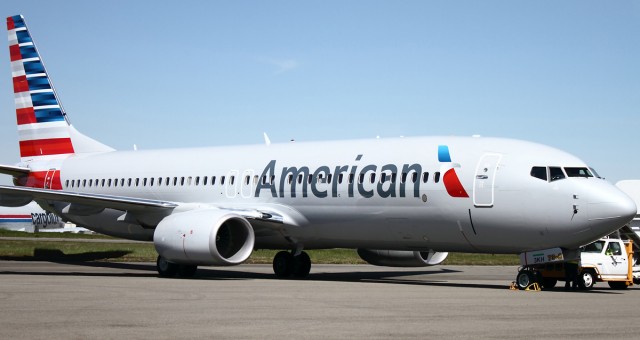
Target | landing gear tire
(283,264)
(301,265)
(617,285)
(525,278)
(187,270)
(586,280)
(166,268)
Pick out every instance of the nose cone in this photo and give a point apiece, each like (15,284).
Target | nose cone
(610,209)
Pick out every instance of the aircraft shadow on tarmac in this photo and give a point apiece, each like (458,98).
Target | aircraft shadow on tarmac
(208,273)
(56,255)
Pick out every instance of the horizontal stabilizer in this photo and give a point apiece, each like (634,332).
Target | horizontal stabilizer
(14,170)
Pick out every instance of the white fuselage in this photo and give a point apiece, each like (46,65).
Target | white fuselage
(506,211)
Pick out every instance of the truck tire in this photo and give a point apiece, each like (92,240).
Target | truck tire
(586,280)
(525,278)
(617,285)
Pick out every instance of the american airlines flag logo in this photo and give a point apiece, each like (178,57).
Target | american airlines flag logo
(37,107)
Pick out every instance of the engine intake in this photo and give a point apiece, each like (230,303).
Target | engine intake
(401,258)
(205,237)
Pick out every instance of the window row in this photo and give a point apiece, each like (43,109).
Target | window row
(384,177)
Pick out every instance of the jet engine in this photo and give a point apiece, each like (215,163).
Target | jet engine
(401,258)
(204,237)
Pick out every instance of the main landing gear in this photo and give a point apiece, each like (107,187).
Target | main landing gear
(286,265)
(170,269)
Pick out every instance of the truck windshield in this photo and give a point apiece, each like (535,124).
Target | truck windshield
(595,247)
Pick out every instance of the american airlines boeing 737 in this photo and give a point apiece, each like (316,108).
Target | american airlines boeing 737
(399,201)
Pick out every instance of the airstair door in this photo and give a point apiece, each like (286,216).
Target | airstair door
(485,179)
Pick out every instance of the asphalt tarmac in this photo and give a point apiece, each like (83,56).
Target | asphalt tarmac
(128,301)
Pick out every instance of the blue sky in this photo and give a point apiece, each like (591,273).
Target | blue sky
(198,73)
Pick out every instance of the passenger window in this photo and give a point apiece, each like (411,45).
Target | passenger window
(425,177)
(66,183)
(222,180)
(351,178)
(246,180)
(137,181)
(329,177)
(436,177)
(144,182)
(361,178)
(393,177)
(403,179)
(204,180)
(300,179)
(197,180)
(383,177)
(414,177)
(151,181)
(373,178)
(539,172)
(340,177)
(555,173)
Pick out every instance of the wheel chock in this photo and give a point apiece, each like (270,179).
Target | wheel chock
(534,286)
(513,286)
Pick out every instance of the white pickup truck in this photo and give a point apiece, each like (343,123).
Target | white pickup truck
(606,260)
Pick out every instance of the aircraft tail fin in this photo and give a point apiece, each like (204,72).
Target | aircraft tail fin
(44,129)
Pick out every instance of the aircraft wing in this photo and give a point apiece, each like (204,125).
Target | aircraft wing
(146,211)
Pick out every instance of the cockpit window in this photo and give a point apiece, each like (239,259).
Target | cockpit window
(539,172)
(555,173)
(594,172)
(578,172)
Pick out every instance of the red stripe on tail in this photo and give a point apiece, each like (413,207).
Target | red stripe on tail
(14,51)
(20,84)
(45,147)
(10,24)
(26,116)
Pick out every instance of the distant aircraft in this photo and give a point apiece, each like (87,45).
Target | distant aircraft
(30,218)
(400,201)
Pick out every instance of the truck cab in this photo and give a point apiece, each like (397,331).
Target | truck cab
(609,260)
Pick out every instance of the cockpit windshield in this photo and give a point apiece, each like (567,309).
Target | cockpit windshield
(578,172)
(554,173)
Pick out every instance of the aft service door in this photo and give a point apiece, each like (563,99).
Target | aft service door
(484,180)
(48,179)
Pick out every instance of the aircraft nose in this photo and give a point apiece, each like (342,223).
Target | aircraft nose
(611,210)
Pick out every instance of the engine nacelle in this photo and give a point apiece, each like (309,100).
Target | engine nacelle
(401,258)
(205,237)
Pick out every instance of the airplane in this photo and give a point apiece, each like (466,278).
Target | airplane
(29,218)
(399,201)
